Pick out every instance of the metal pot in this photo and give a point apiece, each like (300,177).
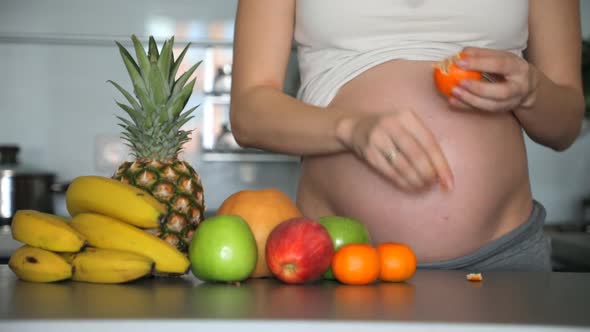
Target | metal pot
(23,187)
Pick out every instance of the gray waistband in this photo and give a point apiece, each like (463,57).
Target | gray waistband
(533,225)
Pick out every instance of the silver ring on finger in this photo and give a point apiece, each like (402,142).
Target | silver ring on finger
(392,154)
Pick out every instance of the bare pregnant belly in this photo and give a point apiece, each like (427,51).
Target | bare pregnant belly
(485,151)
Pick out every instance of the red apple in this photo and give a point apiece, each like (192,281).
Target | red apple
(299,250)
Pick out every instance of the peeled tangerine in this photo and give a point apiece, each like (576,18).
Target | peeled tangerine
(448,75)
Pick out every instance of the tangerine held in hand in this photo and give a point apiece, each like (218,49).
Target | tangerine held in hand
(448,75)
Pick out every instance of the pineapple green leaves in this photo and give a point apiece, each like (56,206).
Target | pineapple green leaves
(156,112)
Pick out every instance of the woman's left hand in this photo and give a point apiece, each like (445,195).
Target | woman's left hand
(514,88)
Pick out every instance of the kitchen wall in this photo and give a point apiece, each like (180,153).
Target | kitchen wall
(56,56)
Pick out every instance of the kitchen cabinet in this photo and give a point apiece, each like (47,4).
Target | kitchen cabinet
(429,301)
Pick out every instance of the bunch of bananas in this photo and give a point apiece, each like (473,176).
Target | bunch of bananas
(105,241)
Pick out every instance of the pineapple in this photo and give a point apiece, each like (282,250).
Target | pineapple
(153,133)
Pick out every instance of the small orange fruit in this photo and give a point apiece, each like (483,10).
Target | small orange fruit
(448,75)
(397,262)
(356,264)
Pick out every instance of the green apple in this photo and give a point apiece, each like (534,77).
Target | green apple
(344,230)
(223,248)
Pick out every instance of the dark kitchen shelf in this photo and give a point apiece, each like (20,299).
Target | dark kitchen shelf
(570,248)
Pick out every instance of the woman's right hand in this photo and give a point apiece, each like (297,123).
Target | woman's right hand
(399,146)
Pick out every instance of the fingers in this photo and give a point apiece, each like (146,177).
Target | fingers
(386,157)
(503,64)
(378,160)
(494,91)
(489,101)
(400,147)
(502,96)
(478,51)
(422,149)
(410,162)
(405,151)
(490,61)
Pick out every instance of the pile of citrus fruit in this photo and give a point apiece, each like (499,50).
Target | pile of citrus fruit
(361,263)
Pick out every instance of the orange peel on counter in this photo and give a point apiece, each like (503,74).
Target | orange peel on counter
(474,277)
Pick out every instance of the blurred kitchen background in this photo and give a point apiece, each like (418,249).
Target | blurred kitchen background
(55,104)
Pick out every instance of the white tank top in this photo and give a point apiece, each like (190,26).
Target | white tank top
(339,39)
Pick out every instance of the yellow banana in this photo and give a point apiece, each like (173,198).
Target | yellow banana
(108,233)
(46,231)
(109,266)
(116,199)
(39,265)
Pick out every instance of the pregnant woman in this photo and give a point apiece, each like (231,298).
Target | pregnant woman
(446,175)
